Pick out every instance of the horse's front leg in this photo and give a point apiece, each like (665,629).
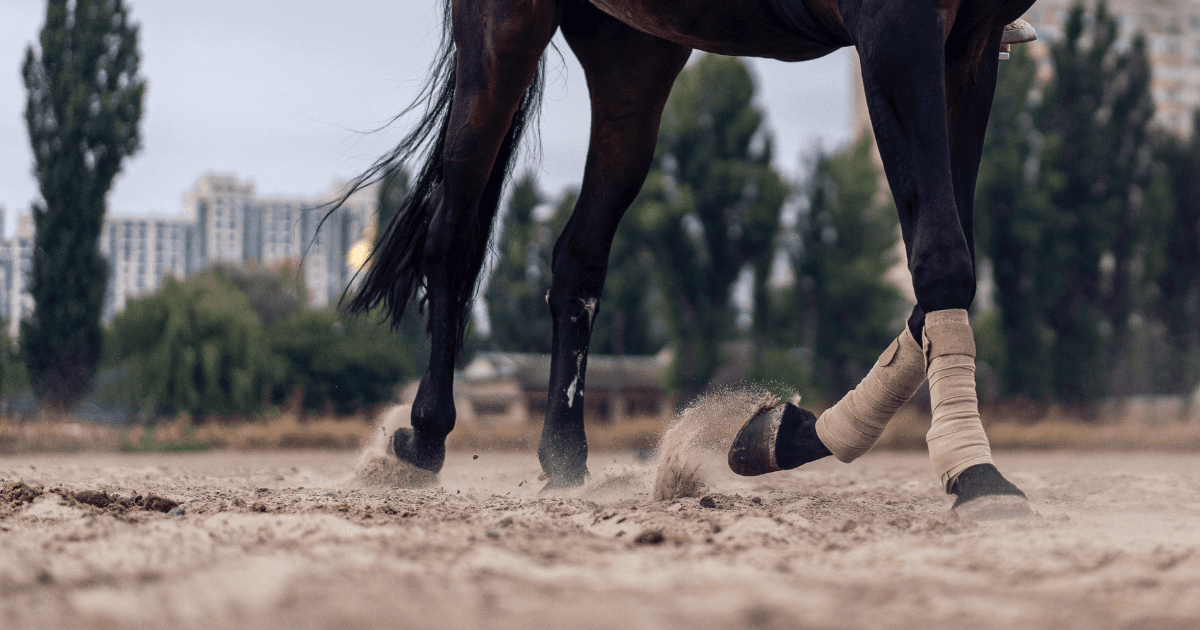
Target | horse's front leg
(629,76)
(929,104)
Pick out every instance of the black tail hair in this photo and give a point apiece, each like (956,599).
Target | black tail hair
(395,270)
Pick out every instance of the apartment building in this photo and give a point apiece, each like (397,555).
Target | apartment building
(223,221)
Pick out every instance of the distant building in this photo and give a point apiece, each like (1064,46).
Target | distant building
(235,226)
(223,221)
(509,388)
(16,256)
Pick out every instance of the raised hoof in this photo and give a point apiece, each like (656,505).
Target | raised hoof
(405,447)
(984,495)
(779,438)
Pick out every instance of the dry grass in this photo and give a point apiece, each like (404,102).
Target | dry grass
(1009,426)
(634,434)
(1023,425)
(63,435)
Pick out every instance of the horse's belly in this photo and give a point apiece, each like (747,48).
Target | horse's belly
(744,28)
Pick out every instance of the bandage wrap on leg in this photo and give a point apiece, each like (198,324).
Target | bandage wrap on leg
(956,439)
(852,426)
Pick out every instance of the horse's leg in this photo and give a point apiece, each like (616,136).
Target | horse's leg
(629,76)
(499,43)
(914,112)
(971,71)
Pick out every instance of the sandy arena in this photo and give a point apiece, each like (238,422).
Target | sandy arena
(291,540)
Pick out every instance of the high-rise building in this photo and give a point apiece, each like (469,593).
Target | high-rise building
(223,221)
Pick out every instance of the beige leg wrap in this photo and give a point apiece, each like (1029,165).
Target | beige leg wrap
(852,426)
(956,440)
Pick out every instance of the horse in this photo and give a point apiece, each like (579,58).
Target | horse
(929,71)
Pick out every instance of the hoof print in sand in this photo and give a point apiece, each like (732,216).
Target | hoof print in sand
(391,472)
(678,478)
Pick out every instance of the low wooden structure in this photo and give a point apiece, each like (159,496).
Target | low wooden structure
(499,388)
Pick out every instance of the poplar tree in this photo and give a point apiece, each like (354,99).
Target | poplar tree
(83,106)
(843,305)
(709,211)
(1071,198)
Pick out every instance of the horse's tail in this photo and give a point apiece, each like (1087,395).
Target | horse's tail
(395,272)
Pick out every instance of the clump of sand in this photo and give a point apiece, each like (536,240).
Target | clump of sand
(377,468)
(704,429)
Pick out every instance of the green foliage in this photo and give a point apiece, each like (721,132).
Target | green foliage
(785,374)
(516,293)
(393,189)
(200,347)
(347,364)
(1179,282)
(83,106)
(274,295)
(841,307)
(1072,202)
(709,209)
(195,347)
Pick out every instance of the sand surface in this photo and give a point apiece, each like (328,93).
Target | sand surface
(292,540)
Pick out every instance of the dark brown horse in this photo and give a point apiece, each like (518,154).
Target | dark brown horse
(929,73)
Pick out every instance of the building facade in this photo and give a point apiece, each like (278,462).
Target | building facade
(223,222)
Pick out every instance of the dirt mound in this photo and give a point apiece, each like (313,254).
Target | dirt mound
(703,433)
(377,468)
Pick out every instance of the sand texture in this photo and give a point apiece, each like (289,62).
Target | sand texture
(309,539)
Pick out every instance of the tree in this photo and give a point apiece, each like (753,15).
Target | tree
(1070,198)
(1180,280)
(349,365)
(195,347)
(83,106)
(274,294)
(516,294)
(393,190)
(846,311)
(709,209)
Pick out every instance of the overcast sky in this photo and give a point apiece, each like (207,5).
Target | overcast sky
(276,90)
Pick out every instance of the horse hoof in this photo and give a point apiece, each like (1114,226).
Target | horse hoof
(405,447)
(564,482)
(779,438)
(984,494)
(993,508)
(753,450)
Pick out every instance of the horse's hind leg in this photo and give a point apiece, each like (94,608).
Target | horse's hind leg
(499,43)
(629,77)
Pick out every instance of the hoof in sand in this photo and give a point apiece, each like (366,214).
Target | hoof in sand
(406,448)
(390,472)
(995,507)
(984,494)
(557,482)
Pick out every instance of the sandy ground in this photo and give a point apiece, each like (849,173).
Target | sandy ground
(291,540)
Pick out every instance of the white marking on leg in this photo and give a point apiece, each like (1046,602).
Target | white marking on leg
(571,391)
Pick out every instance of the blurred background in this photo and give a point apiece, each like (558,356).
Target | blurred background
(161,292)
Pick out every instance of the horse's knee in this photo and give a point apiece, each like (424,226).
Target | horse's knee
(943,278)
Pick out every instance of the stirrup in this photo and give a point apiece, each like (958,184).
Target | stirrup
(1017,32)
